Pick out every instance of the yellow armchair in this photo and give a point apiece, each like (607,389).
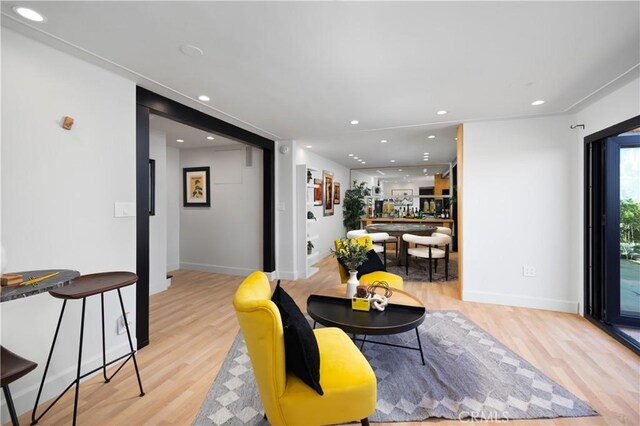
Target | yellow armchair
(346,377)
(394,281)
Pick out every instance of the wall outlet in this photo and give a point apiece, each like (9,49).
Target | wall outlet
(528,271)
(120,328)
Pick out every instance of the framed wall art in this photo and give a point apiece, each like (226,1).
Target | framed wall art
(327,192)
(195,187)
(403,195)
(336,193)
(317,192)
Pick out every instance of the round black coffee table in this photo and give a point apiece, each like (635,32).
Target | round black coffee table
(331,310)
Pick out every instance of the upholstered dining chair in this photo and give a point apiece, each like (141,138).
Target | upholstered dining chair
(429,249)
(346,377)
(443,230)
(376,237)
(393,280)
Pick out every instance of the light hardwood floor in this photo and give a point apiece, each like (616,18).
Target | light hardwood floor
(193,325)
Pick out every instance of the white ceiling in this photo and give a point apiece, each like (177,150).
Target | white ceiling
(403,174)
(192,137)
(303,70)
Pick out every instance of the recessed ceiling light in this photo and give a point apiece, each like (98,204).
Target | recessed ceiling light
(425,159)
(441,112)
(309,146)
(426,153)
(180,140)
(383,141)
(354,121)
(191,50)
(364,162)
(424,170)
(29,14)
(210,138)
(355,158)
(204,98)
(538,102)
(350,155)
(399,170)
(432,137)
(393,161)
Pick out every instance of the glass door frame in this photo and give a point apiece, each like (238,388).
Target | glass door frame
(601,230)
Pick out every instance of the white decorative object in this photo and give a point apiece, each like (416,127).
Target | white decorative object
(352,283)
(378,302)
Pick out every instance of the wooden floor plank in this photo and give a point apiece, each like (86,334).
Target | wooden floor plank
(192,327)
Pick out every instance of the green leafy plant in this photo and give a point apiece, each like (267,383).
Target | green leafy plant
(351,253)
(309,176)
(310,215)
(353,205)
(309,247)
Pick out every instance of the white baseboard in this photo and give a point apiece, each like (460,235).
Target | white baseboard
(23,399)
(229,270)
(158,287)
(286,275)
(522,301)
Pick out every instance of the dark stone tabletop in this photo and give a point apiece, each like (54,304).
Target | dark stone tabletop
(64,277)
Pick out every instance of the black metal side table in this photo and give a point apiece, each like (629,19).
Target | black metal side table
(81,288)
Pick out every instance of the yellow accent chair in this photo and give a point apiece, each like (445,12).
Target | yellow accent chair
(346,377)
(394,281)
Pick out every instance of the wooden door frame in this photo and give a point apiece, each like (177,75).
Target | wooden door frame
(148,102)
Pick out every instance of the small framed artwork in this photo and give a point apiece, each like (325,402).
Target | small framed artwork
(336,193)
(152,187)
(195,187)
(404,195)
(317,192)
(327,192)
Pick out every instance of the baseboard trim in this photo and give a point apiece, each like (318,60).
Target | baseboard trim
(229,270)
(286,275)
(521,301)
(23,399)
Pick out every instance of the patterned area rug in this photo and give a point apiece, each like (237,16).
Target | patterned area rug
(419,270)
(468,374)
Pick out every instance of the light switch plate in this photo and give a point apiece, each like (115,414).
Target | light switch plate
(121,209)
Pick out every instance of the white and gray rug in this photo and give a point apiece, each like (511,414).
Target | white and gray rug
(468,373)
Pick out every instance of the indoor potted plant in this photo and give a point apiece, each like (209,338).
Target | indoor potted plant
(353,205)
(309,248)
(352,254)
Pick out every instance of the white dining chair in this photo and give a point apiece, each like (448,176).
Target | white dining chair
(429,250)
(375,237)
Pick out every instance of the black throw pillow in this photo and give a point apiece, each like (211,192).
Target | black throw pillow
(302,356)
(372,264)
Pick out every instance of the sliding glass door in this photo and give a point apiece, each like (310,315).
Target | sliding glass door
(612,230)
(622,230)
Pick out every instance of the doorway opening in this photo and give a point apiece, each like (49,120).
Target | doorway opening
(151,104)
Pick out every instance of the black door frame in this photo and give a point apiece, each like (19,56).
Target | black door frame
(148,102)
(599,251)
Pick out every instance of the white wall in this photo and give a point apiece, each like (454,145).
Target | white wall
(158,222)
(285,171)
(328,228)
(174,178)
(620,105)
(58,192)
(517,211)
(226,237)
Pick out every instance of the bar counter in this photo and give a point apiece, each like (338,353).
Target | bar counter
(432,220)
